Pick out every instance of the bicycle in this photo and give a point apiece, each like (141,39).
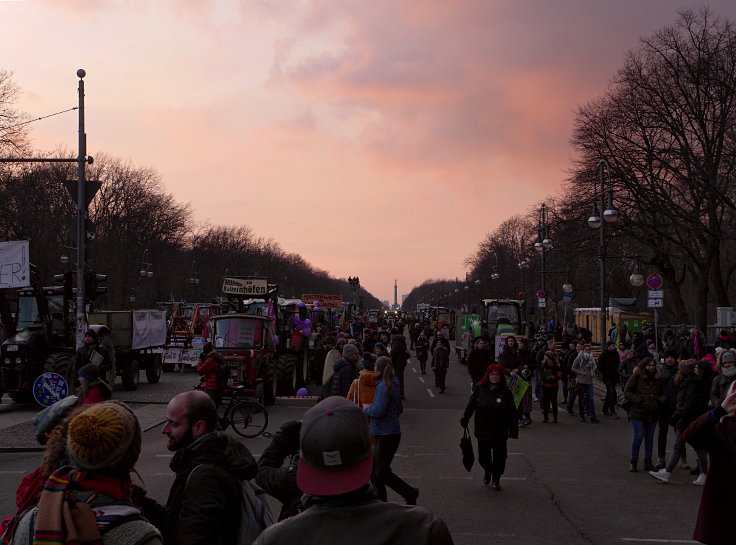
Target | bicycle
(247,417)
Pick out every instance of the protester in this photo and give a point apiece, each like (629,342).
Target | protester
(525,371)
(689,407)
(644,392)
(340,506)
(549,376)
(479,359)
(386,431)
(91,352)
(440,364)
(363,389)
(277,479)
(209,368)
(204,501)
(495,421)
(91,499)
(422,348)
(608,365)
(345,371)
(667,372)
(92,389)
(722,382)
(715,433)
(333,354)
(509,356)
(399,357)
(584,370)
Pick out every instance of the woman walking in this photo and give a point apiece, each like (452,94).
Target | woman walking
(689,407)
(584,370)
(549,375)
(495,421)
(386,430)
(422,347)
(644,391)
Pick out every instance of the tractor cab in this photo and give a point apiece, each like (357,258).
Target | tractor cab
(246,342)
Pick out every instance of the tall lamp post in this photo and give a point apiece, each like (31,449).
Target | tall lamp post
(194,277)
(603,213)
(145,271)
(543,243)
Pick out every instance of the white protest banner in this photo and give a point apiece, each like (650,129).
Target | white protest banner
(245,286)
(15,270)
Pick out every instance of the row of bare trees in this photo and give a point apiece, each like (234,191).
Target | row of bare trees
(667,128)
(136,225)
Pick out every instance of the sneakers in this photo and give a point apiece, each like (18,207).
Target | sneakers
(700,481)
(663,475)
(632,466)
(524,422)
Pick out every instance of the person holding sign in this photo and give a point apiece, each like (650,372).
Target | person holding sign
(91,352)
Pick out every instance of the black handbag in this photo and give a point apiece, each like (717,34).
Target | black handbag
(466,446)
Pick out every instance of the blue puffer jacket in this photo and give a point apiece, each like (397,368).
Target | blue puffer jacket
(384,412)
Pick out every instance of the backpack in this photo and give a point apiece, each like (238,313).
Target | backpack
(255,514)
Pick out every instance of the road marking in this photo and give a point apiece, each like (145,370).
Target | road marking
(12,472)
(430,392)
(429,454)
(513,478)
(421,380)
(656,540)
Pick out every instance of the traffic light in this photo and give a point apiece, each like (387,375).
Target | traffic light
(92,282)
(66,279)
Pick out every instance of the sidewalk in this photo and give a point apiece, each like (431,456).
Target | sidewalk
(19,435)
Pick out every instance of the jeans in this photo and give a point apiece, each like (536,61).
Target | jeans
(492,456)
(537,385)
(571,401)
(586,396)
(609,405)
(384,449)
(564,388)
(642,431)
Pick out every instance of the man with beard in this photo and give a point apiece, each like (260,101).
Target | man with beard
(204,501)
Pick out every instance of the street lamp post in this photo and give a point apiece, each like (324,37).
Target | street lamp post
(145,271)
(543,243)
(194,277)
(603,212)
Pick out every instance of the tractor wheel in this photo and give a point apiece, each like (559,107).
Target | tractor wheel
(153,369)
(131,375)
(284,377)
(61,363)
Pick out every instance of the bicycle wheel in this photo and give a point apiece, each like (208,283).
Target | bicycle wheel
(249,418)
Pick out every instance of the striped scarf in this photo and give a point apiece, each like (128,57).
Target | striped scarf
(63,519)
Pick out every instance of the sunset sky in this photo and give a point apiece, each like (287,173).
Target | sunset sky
(377,138)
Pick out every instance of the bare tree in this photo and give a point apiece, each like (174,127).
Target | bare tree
(13,134)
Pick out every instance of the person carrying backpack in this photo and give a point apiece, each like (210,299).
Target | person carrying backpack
(212,368)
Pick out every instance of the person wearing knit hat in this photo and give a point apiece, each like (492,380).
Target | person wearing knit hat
(103,443)
(92,352)
(495,421)
(691,402)
(345,371)
(92,389)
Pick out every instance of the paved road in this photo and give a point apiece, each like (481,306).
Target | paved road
(565,484)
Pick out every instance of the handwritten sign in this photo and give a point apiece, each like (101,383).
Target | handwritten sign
(15,271)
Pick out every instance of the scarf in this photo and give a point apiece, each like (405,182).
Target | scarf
(61,518)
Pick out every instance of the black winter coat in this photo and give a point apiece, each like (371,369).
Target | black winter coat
(205,507)
(478,362)
(689,402)
(399,352)
(646,397)
(495,413)
(279,479)
(608,364)
(344,375)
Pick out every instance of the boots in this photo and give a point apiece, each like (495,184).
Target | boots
(632,466)
(496,482)
(648,466)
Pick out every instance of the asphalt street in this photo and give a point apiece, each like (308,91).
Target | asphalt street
(565,483)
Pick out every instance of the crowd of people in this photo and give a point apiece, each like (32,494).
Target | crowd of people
(331,469)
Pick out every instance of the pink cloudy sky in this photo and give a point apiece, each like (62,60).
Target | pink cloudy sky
(378,138)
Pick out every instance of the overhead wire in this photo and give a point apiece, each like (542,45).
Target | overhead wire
(40,118)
